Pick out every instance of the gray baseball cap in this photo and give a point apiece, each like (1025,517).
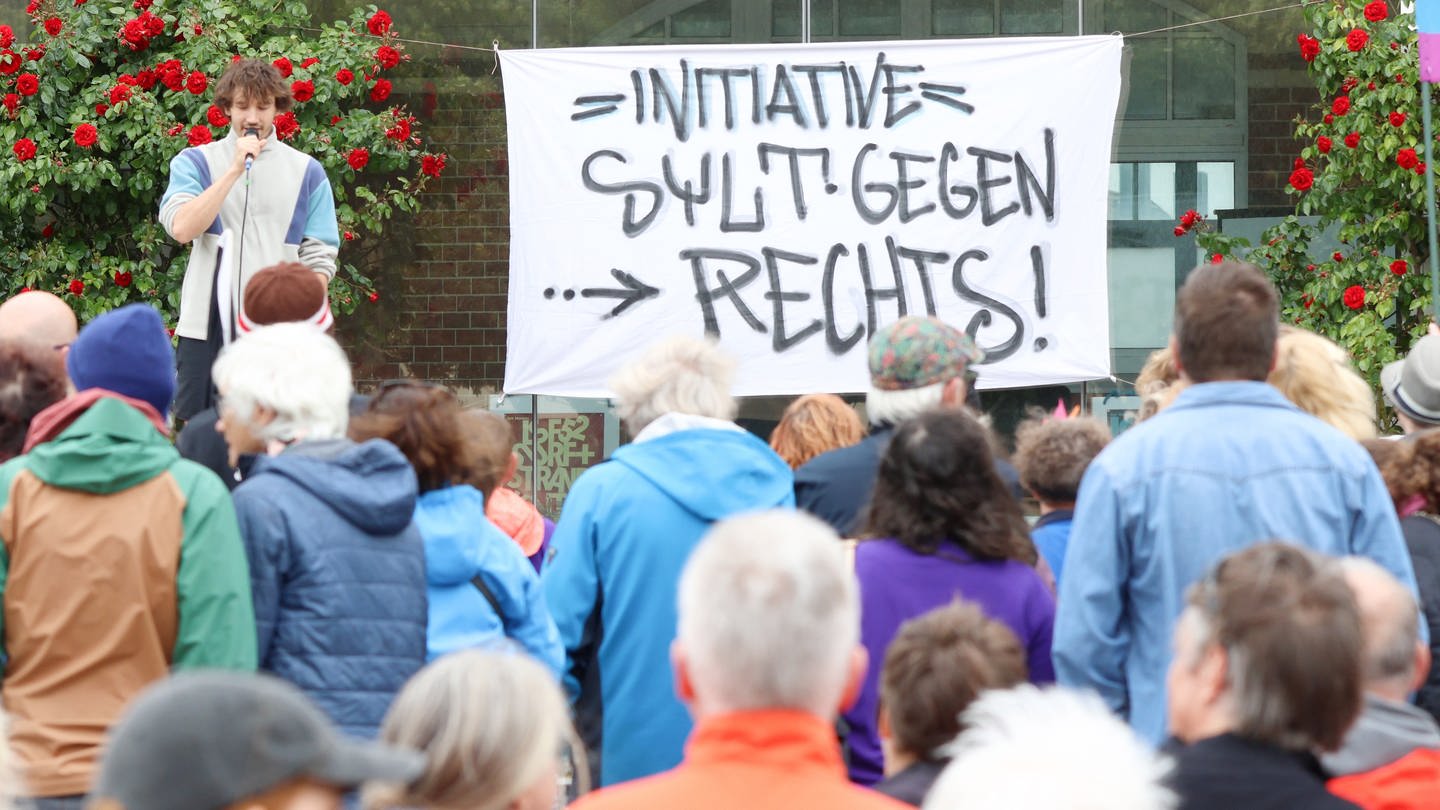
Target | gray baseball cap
(205,740)
(1412,385)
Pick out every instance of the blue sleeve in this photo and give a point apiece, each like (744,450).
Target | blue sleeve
(320,221)
(1092,639)
(1377,535)
(571,580)
(527,620)
(186,176)
(267,548)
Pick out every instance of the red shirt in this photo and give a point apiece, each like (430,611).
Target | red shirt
(757,760)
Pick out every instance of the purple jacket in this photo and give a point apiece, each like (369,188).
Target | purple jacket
(898,584)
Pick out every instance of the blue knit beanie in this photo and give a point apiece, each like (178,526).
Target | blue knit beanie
(127,351)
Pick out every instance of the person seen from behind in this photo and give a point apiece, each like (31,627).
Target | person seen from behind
(815,424)
(1051,456)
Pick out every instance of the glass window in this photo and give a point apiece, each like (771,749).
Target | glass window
(1132,16)
(869,18)
(1032,17)
(707,20)
(1207,89)
(958,18)
(1149,80)
(1215,189)
(1142,191)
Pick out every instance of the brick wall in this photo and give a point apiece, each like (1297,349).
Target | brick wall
(1278,93)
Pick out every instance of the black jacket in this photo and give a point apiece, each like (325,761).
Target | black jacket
(1422,538)
(1232,773)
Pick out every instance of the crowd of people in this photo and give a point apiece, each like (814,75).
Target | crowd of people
(314,596)
(310,597)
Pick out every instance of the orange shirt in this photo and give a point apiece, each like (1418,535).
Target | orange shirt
(1409,783)
(757,760)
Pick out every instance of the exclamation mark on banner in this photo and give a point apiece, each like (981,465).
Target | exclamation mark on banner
(1037,265)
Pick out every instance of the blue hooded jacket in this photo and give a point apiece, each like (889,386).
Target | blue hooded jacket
(462,544)
(337,572)
(627,528)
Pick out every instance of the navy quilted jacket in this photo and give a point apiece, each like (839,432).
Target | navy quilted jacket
(337,570)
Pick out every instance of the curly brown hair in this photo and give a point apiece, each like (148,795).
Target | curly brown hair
(814,424)
(31,380)
(1052,455)
(937,486)
(254,80)
(1410,467)
(423,420)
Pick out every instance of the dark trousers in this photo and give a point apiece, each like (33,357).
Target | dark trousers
(58,803)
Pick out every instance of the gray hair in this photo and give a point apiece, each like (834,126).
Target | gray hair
(1091,760)
(1390,621)
(893,407)
(293,369)
(677,375)
(769,614)
(490,724)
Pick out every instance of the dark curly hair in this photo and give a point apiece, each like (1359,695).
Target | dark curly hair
(31,380)
(937,486)
(423,420)
(1052,455)
(1410,467)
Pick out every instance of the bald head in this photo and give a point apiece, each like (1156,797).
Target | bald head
(38,317)
(1391,628)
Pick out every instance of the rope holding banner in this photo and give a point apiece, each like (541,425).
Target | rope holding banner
(495,47)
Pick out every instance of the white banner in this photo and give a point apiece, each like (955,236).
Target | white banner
(791,199)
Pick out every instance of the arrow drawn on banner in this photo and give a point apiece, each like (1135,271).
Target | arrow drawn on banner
(633,293)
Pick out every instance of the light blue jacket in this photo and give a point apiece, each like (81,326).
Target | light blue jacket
(1229,464)
(627,528)
(462,544)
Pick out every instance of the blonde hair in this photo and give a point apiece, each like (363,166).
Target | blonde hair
(677,375)
(814,424)
(1158,384)
(1316,374)
(489,722)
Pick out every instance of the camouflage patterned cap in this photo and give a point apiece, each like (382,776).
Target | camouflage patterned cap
(914,352)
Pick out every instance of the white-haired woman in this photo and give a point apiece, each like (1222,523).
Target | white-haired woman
(493,726)
(625,532)
(337,569)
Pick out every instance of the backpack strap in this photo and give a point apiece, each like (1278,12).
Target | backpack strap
(479,583)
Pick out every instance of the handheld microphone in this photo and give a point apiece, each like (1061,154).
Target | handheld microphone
(250,159)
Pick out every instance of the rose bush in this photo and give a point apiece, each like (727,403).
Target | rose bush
(1362,58)
(113,89)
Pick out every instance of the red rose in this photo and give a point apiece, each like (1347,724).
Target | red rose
(216,116)
(32,7)
(12,102)
(154,25)
(1217,258)
(119,93)
(147,78)
(1338,256)
(175,130)
(349,236)
(35,54)
(136,34)
(303,90)
(27,85)
(1420,170)
(1397,119)
(373,296)
(7,36)
(387,56)
(10,62)
(200,135)
(1407,159)
(379,23)
(48,231)
(101,109)
(1352,140)
(284,66)
(400,132)
(1341,105)
(86,135)
(77,287)
(127,79)
(1323,144)
(381,90)
(1370,86)
(122,278)
(359,156)
(24,149)
(1376,11)
(1355,296)
(1349,84)
(1356,39)
(314,60)
(286,125)
(1297,163)
(1302,179)
(196,82)
(1398,267)
(1309,47)
(432,164)
(344,76)
(54,25)
(1189,218)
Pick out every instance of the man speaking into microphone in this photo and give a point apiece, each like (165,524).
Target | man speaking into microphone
(270,203)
